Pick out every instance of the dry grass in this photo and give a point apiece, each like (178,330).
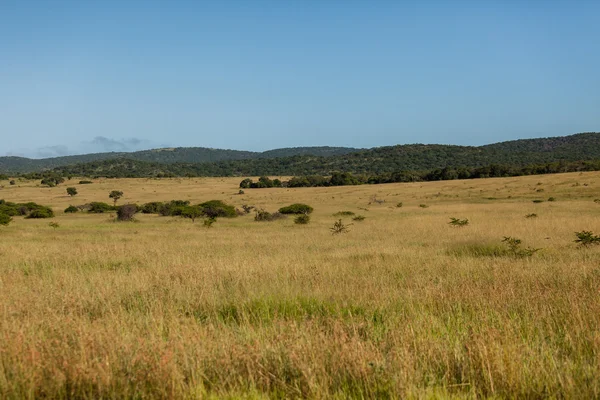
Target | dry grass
(403,305)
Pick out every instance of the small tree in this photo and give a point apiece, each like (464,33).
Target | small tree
(587,238)
(192,212)
(71,191)
(339,227)
(115,195)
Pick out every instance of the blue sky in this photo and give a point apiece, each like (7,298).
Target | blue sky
(85,76)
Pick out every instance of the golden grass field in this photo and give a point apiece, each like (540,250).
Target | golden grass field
(402,306)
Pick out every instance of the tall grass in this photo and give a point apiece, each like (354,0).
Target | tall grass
(401,306)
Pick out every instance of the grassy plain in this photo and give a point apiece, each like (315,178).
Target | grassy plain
(403,305)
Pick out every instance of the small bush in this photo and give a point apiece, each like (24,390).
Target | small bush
(359,218)
(532,215)
(515,249)
(208,222)
(71,191)
(99,207)
(263,215)
(126,212)
(217,208)
(71,209)
(587,238)
(538,201)
(399,205)
(302,219)
(343,214)
(423,205)
(153,207)
(5,219)
(241,191)
(458,222)
(551,199)
(597,201)
(12,182)
(41,213)
(339,227)
(85,182)
(297,208)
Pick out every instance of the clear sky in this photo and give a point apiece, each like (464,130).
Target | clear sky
(83,76)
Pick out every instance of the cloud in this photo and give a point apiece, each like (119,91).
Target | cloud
(52,151)
(101,144)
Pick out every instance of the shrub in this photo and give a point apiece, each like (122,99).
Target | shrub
(115,195)
(359,218)
(153,207)
(423,205)
(173,208)
(587,238)
(71,209)
(302,219)
(41,213)
(208,222)
(399,204)
(551,199)
(597,201)
(339,227)
(538,201)
(71,191)
(52,180)
(343,214)
(13,182)
(263,215)
(191,212)
(246,183)
(85,182)
(297,208)
(99,207)
(532,215)
(5,219)
(241,191)
(126,212)
(458,222)
(515,249)
(217,208)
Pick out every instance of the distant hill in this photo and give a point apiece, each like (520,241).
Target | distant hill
(381,160)
(165,156)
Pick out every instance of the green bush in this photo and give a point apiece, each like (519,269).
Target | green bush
(71,209)
(41,213)
(297,208)
(191,212)
(217,208)
(153,207)
(71,191)
(587,238)
(99,207)
(85,182)
(5,219)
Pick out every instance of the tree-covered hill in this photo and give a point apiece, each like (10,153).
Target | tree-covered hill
(166,156)
(381,160)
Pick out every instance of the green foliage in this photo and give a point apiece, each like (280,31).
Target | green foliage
(343,214)
(359,218)
(99,207)
(302,219)
(115,195)
(13,209)
(126,212)
(587,238)
(263,215)
(458,222)
(515,249)
(217,208)
(246,183)
(52,180)
(71,191)
(339,227)
(208,222)
(153,207)
(71,209)
(192,212)
(5,219)
(297,208)
(44,212)
(85,182)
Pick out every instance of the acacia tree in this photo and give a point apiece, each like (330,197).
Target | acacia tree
(192,212)
(115,195)
(71,191)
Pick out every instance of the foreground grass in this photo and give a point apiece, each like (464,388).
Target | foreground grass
(401,306)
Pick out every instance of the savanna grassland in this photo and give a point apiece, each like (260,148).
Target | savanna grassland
(403,305)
